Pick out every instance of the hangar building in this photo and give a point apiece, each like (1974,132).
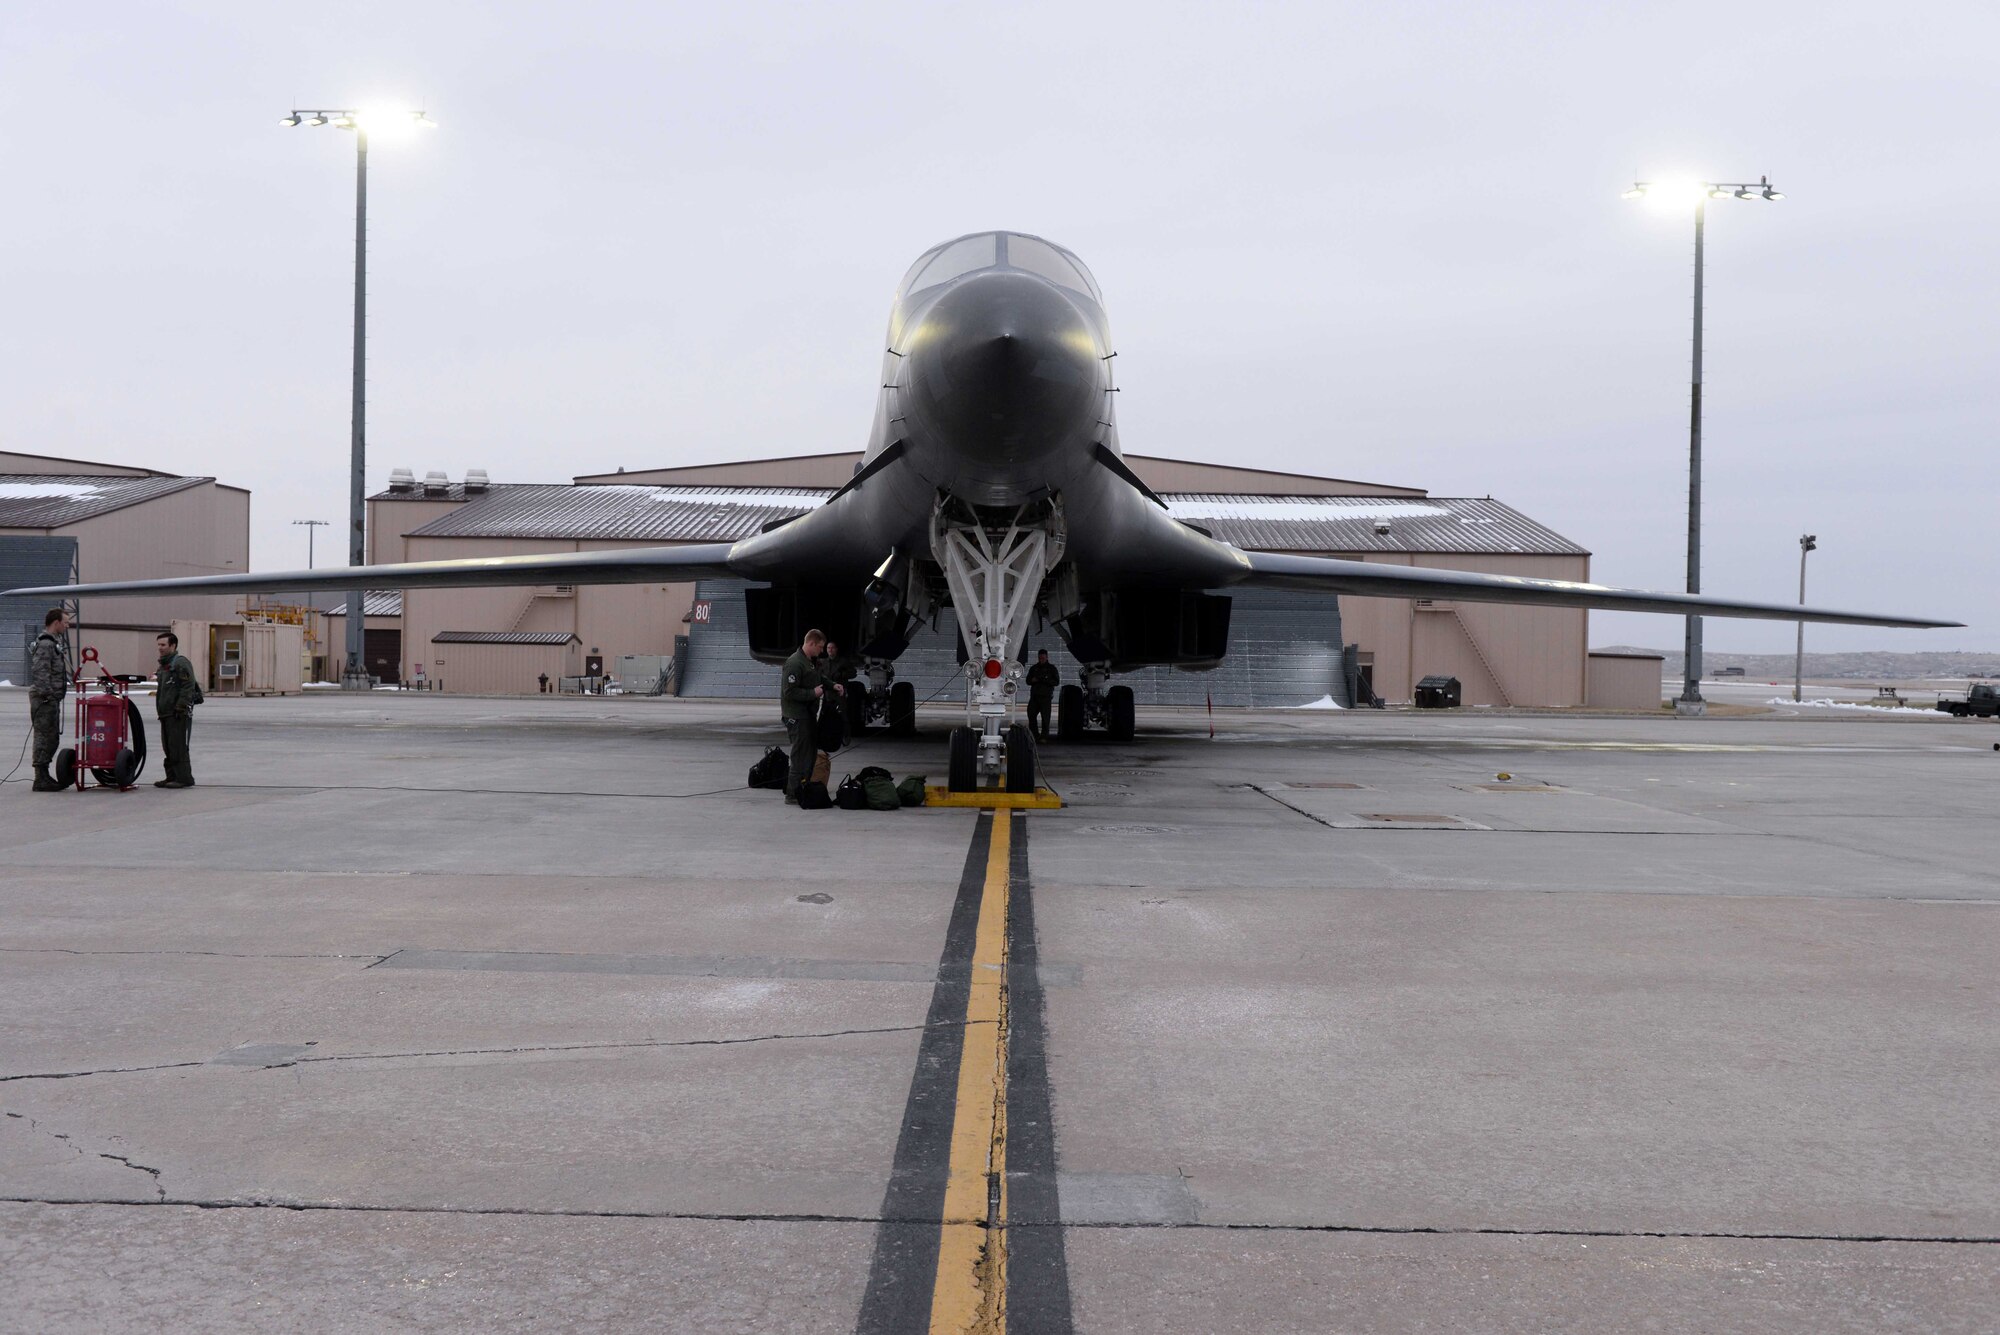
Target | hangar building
(1285,647)
(120,523)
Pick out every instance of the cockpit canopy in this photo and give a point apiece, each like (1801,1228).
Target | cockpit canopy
(999,250)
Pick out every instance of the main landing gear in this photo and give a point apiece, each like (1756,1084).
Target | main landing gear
(1092,702)
(880,699)
(994,565)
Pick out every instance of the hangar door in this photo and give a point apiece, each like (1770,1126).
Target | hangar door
(1284,649)
(25,563)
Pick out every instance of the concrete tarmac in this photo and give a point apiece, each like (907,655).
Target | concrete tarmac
(434,1013)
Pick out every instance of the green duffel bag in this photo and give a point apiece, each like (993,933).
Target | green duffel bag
(911,790)
(880,788)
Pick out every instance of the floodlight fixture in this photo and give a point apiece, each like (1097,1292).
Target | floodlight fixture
(1636,192)
(294,119)
(317,118)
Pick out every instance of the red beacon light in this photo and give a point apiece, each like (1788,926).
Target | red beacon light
(993,668)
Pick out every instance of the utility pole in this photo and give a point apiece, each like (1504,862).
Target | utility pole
(1807,543)
(1690,702)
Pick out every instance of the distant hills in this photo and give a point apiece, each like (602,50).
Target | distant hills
(1857,666)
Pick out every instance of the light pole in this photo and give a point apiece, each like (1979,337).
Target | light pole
(355,677)
(1807,543)
(1690,702)
(309,525)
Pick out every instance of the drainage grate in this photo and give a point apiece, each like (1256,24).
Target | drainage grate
(1412,818)
(1324,783)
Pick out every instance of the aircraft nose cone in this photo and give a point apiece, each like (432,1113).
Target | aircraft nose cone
(1000,373)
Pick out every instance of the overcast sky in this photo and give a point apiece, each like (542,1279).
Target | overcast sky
(1380,242)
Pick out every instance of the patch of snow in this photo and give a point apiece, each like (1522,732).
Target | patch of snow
(321,686)
(6,683)
(1330,508)
(47,491)
(1851,705)
(1324,702)
(790,500)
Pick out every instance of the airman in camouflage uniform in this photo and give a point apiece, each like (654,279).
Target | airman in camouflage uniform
(48,683)
(175,700)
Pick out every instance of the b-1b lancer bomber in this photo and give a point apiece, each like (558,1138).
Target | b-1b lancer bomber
(993,482)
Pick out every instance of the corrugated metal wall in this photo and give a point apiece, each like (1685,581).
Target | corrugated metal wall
(25,562)
(1284,649)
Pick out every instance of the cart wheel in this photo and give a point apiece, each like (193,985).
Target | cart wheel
(125,769)
(65,769)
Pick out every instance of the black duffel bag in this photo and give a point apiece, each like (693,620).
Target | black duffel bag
(770,772)
(812,796)
(830,729)
(850,796)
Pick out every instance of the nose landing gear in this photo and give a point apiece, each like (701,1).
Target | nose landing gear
(994,567)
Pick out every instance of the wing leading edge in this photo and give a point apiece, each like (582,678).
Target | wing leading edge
(1365,579)
(636,565)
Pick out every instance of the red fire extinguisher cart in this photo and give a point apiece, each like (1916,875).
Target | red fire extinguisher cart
(110,734)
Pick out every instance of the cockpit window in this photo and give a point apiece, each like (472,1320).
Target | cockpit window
(958,258)
(1043,259)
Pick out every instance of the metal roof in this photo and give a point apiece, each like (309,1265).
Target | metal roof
(1442,525)
(623,513)
(502,637)
(633,513)
(49,500)
(375,604)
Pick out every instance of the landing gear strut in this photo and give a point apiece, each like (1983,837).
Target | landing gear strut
(994,565)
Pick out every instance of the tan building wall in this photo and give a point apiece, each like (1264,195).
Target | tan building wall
(503,669)
(1625,681)
(200,530)
(333,642)
(1501,654)
(610,619)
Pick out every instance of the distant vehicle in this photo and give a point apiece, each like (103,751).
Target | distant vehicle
(1729,672)
(1982,701)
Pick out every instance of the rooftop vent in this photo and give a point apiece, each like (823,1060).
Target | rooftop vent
(402,479)
(1381,526)
(476,481)
(436,483)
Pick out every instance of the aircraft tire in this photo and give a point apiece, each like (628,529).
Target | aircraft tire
(1119,714)
(1069,713)
(1020,759)
(963,772)
(903,709)
(64,771)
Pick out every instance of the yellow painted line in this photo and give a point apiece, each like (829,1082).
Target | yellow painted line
(1044,799)
(970,1293)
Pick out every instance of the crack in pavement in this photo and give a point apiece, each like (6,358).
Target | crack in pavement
(34,1124)
(490,1052)
(107,1070)
(752,1217)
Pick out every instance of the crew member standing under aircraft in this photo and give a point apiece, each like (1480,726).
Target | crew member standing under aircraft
(799,692)
(1042,682)
(48,683)
(175,700)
